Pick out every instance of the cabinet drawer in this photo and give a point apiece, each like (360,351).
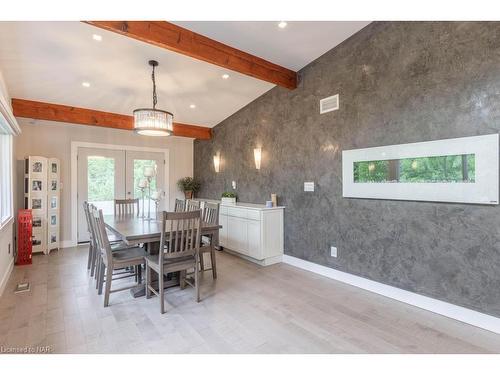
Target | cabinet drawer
(223,210)
(253,214)
(237,212)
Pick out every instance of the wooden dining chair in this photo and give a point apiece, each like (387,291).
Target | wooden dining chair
(126,207)
(179,251)
(192,205)
(211,216)
(94,254)
(92,248)
(116,245)
(130,257)
(180,205)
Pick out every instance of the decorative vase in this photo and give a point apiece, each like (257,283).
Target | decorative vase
(188,194)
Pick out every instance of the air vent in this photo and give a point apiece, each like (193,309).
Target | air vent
(22,288)
(329,104)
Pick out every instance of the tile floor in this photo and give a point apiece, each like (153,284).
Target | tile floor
(249,309)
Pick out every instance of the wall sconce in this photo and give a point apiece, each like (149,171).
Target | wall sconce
(217,162)
(257,154)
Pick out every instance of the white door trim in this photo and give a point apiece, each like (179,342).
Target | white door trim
(74,176)
(449,310)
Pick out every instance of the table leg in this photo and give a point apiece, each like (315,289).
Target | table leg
(170,280)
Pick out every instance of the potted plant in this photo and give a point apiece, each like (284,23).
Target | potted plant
(189,186)
(228,197)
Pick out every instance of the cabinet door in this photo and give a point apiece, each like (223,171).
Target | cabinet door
(223,230)
(254,240)
(237,234)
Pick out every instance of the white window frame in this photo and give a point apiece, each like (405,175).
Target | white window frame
(6,180)
(483,191)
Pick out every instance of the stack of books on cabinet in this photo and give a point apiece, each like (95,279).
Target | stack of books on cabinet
(42,196)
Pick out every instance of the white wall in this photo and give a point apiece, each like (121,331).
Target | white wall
(53,139)
(6,237)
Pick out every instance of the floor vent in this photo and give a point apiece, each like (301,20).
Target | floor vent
(22,287)
(329,104)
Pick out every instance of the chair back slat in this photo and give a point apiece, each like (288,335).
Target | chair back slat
(180,205)
(211,213)
(102,237)
(192,205)
(180,234)
(91,224)
(86,206)
(124,207)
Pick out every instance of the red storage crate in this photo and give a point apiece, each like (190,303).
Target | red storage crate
(24,234)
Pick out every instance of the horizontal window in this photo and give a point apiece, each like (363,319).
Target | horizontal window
(438,169)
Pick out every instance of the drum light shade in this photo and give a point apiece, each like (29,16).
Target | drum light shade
(151,121)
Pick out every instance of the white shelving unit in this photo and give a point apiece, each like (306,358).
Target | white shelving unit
(53,203)
(42,196)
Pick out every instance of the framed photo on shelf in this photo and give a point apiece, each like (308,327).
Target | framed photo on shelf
(36,203)
(36,185)
(37,222)
(37,167)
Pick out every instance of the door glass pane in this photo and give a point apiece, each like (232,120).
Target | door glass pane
(139,167)
(101,183)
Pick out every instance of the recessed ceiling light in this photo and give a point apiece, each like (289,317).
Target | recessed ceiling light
(192,106)
(225,76)
(86,84)
(282,24)
(97,37)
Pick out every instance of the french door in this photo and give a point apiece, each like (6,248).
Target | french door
(105,175)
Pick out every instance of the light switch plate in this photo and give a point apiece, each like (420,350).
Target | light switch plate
(308,186)
(333,251)
(233,184)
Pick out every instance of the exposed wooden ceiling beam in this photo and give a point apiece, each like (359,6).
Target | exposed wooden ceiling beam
(178,39)
(83,116)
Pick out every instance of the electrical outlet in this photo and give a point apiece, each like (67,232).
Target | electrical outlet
(333,251)
(309,186)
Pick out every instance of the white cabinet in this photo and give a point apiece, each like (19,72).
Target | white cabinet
(237,236)
(254,240)
(252,231)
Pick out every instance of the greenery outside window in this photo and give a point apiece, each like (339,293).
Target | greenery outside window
(433,169)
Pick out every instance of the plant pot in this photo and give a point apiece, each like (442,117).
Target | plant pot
(188,194)
(225,200)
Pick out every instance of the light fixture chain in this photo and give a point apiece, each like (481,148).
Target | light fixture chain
(155,99)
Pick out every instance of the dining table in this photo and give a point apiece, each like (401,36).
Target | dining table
(135,230)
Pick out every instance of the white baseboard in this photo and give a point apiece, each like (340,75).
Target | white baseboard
(68,243)
(449,310)
(263,262)
(6,276)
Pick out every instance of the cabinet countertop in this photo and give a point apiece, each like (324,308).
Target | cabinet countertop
(252,206)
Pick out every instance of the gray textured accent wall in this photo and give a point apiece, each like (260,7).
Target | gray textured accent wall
(398,82)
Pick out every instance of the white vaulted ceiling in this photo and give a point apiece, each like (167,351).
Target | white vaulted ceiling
(293,47)
(48,61)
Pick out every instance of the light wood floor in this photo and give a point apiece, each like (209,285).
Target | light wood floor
(249,309)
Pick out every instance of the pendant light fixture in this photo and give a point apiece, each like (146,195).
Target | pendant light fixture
(151,121)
